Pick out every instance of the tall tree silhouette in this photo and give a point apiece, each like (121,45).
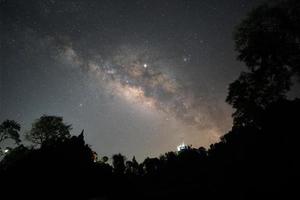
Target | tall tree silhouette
(48,128)
(269,36)
(268,41)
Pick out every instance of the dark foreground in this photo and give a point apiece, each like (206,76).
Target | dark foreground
(248,163)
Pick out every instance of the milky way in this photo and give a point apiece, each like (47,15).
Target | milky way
(132,75)
(139,76)
(136,75)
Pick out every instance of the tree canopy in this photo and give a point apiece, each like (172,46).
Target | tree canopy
(48,128)
(9,129)
(268,42)
(270,36)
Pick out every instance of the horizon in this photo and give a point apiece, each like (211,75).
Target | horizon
(139,77)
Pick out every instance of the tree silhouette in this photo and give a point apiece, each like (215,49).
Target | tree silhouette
(269,36)
(132,167)
(252,92)
(268,41)
(151,166)
(257,158)
(9,129)
(48,128)
(119,163)
(135,166)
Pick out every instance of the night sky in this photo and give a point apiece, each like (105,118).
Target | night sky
(140,77)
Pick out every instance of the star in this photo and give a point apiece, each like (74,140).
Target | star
(186,58)
(162,70)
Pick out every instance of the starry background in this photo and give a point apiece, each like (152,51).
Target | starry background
(139,77)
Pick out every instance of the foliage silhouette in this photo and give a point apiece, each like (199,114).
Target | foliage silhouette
(269,36)
(257,158)
(248,162)
(48,128)
(118,163)
(268,41)
(10,129)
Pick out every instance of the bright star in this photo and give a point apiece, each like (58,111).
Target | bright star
(145,65)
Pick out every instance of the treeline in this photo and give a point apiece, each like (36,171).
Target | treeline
(258,158)
(249,162)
